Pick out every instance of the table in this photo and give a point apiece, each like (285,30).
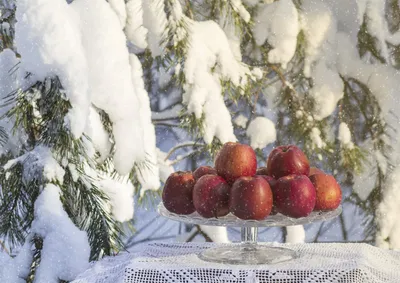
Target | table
(318,263)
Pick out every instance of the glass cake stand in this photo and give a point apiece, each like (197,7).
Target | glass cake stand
(248,251)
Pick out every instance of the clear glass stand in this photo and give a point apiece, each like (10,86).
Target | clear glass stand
(248,251)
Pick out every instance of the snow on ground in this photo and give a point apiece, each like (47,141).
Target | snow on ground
(261,132)
(295,234)
(217,234)
(48,38)
(278,24)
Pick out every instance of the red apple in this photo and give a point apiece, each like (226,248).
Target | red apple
(329,194)
(211,196)
(286,160)
(262,171)
(315,170)
(294,196)
(204,170)
(177,193)
(235,160)
(272,182)
(251,198)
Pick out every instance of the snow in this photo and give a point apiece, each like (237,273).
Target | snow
(278,23)
(316,139)
(365,182)
(184,237)
(227,23)
(134,29)
(10,78)
(241,121)
(209,47)
(13,270)
(66,250)
(388,212)
(48,39)
(120,194)
(98,135)
(320,29)
(110,79)
(382,80)
(377,25)
(241,10)
(216,233)
(38,161)
(251,2)
(173,112)
(119,8)
(344,135)
(295,234)
(149,175)
(155,21)
(257,73)
(362,7)
(261,132)
(165,169)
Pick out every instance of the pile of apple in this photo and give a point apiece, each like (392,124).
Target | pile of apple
(287,185)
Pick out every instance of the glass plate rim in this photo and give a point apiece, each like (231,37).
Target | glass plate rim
(278,220)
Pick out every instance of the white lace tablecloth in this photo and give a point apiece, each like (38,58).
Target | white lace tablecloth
(318,263)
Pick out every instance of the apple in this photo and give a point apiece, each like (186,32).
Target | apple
(315,170)
(262,171)
(251,198)
(272,182)
(294,196)
(204,170)
(329,194)
(211,196)
(177,193)
(235,160)
(287,160)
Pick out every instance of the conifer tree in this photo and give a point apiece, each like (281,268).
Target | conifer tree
(80,78)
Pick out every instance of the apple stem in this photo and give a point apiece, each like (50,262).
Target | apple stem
(249,234)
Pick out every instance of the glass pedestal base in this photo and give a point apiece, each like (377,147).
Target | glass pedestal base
(247,253)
